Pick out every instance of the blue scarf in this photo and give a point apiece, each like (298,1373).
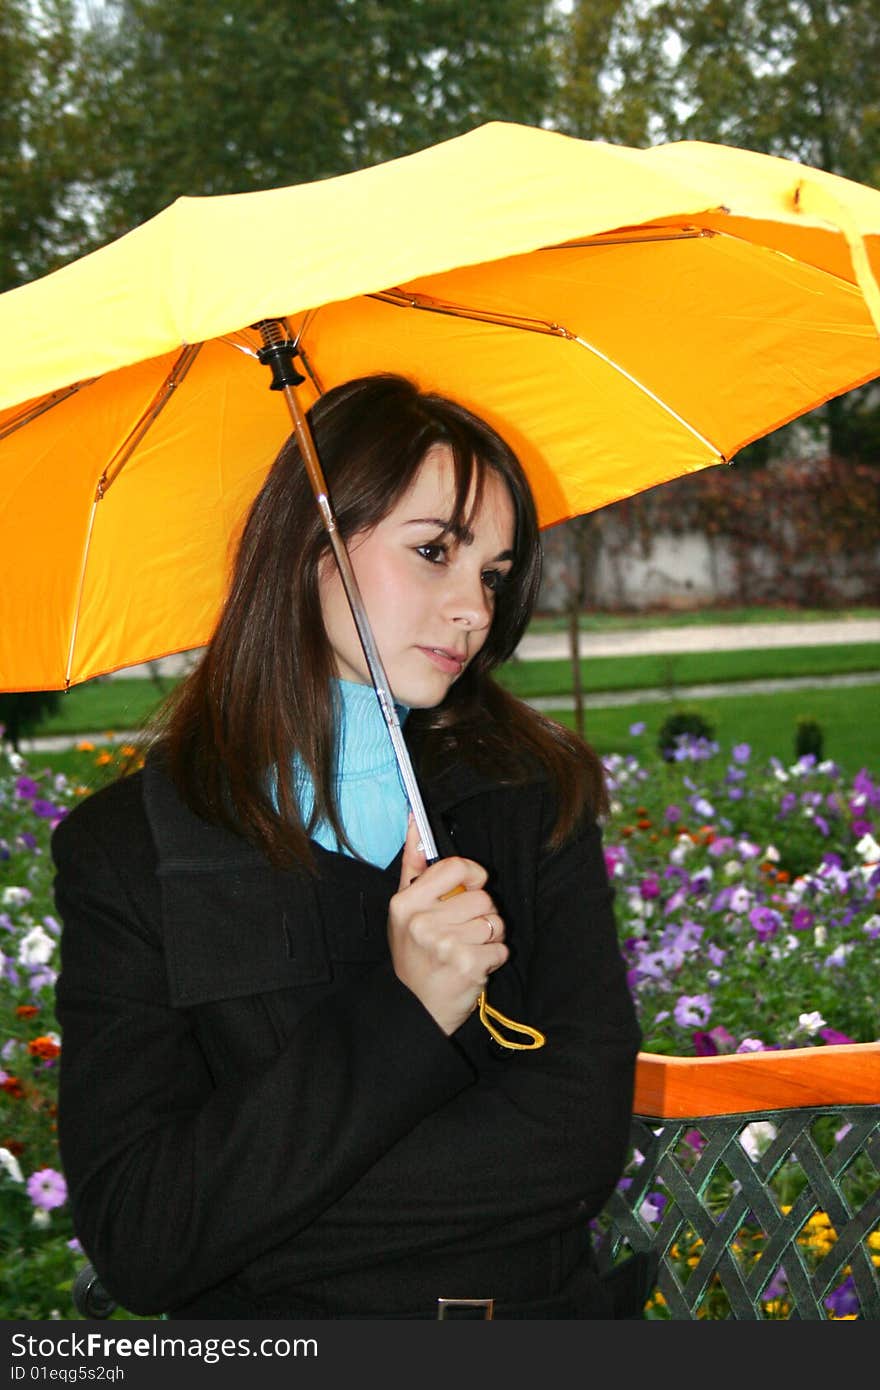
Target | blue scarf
(369,792)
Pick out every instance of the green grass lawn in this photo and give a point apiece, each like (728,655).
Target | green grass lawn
(668,671)
(766,722)
(702,617)
(124,703)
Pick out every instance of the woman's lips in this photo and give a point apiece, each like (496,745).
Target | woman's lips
(444,660)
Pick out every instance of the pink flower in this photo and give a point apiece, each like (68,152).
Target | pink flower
(47,1189)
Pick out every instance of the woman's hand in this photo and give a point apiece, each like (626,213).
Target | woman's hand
(444,951)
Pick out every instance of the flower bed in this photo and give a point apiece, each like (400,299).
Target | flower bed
(747,902)
(748,899)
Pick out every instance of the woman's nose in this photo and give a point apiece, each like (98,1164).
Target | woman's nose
(470,604)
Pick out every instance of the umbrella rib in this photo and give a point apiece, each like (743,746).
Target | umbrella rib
(652,396)
(160,400)
(402,299)
(181,366)
(42,406)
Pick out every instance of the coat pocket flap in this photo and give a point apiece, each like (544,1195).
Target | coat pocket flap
(236,932)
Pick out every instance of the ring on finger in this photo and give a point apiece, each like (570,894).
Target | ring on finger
(491,925)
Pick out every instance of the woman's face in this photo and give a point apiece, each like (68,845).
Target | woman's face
(429,594)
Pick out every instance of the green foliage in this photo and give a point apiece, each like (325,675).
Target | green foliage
(809,739)
(788,78)
(290,93)
(681,724)
(21,712)
(44,217)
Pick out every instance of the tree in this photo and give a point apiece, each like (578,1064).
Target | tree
(45,216)
(794,78)
(209,98)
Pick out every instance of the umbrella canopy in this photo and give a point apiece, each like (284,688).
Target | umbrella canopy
(621,316)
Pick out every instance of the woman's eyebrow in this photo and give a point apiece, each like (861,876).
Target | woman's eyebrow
(463,534)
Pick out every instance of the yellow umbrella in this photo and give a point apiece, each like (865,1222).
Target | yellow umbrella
(621,316)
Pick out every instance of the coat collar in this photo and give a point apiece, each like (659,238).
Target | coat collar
(185,841)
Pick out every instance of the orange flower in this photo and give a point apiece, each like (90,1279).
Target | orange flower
(13,1087)
(44,1047)
(27,1011)
(103,759)
(15,1147)
(783,876)
(643,824)
(128,750)
(85,747)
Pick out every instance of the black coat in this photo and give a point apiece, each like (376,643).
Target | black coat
(257,1118)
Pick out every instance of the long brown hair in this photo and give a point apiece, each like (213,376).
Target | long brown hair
(262,692)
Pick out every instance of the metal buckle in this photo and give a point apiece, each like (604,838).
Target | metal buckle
(444,1305)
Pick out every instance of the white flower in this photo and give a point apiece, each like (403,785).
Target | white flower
(756,1137)
(732,868)
(839,954)
(772,853)
(10,1164)
(36,947)
(868,848)
(41,1219)
(871,925)
(780,774)
(2,962)
(740,899)
(15,760)
(820,935)
(682,847)
(810,1023)
(16,897)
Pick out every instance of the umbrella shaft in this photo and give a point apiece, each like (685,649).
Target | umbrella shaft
(365,633)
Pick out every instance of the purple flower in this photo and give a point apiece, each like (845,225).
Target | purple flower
(26,788)
(832,1037)
(862,827)
(765,922)
(651,1209)
(47,1189)
(787,804)
(843,1301)
(704,1045)
(822,826)
(777,1288)
(741,752)
(802,919)
(672,814)
(735,794)
(650,886)
(638,728)
(45,810)
(693,1010)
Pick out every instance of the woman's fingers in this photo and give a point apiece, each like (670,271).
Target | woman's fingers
(446,934)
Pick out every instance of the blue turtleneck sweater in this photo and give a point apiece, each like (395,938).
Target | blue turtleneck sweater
(372,802)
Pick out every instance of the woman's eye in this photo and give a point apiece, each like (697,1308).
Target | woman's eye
(495,580)
(433,552)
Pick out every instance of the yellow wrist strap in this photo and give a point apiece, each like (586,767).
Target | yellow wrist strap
(536,1039)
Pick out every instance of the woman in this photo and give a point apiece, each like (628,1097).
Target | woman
(276,1098)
